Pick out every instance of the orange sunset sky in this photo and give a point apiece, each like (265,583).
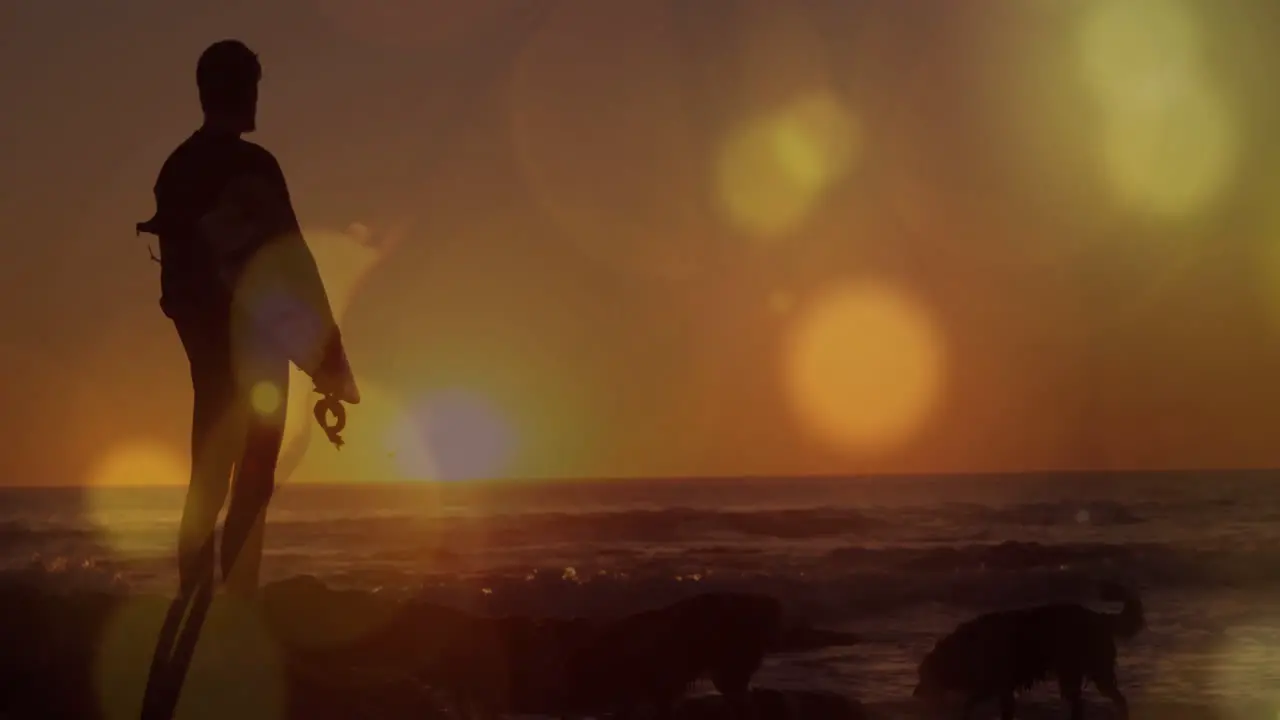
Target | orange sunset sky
(659,237)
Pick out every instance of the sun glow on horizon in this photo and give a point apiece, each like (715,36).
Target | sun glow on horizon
(139,462)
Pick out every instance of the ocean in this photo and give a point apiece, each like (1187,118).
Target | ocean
(899,560)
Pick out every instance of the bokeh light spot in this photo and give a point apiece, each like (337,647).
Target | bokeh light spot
(604,139)
(237,669)
(415,25)
(1267,267)
(1247,646)
(864,367)
(345,260)
(773,169)
(1173,159)
(284,308)
(463,435)
(1131,49)
(265,398)
(375,443)
(1169,139)
(409,449)
(781,302)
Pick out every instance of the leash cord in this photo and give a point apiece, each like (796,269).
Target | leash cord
(324,408)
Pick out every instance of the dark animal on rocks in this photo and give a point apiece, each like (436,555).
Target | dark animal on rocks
(652,658)
(999,654)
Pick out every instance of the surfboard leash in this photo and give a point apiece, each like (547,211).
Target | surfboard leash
(148,227)
(324,408)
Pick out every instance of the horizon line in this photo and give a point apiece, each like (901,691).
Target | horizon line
(817,477)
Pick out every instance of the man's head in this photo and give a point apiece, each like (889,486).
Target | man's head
(227,76)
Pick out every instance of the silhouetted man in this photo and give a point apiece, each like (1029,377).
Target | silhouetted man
(239,382)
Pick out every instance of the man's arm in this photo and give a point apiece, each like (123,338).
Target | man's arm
(279,205)
(253,211)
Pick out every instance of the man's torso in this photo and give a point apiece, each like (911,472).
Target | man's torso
(193,182)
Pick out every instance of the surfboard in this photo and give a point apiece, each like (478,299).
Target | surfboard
(277,290)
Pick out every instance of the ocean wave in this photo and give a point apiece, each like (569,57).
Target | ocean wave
(846,584)
(839,561)
(650,525)
(1049,514)
(19,532)
(678,524)
(996,556)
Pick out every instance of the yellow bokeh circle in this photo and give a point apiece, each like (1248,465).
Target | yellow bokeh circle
(864,367)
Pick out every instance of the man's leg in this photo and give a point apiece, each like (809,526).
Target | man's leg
(216,433)
(266,384)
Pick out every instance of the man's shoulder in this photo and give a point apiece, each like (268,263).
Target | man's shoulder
(256,154)
(202,156)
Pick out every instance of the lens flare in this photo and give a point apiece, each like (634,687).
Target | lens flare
(864,367)
(345,261)
(773,169)
(1173,158)
(1247,646)
(281,310)
(127,528)
(781,302)
(374,446)
(468,439)
(1266,266)
(265,398)
(421,25)
(603,137)
(1169,138)
(304,615)
(1134,48)
(237,669)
